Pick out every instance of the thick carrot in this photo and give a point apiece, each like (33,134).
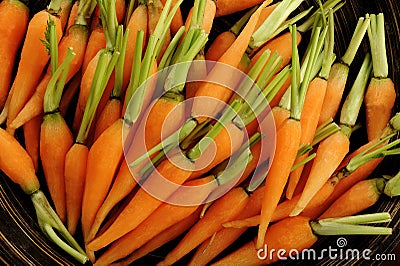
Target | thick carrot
(164,237)
(228,7)
(151,227)
(77,40)
(381,95)
(231,58)
(32,137)
(14,16)
(224,209)
(298,233)
(34,58)
(177,20)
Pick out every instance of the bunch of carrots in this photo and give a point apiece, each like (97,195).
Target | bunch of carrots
(146,131)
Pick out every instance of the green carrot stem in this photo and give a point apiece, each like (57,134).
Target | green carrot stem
(194,153)
(122,42)
(325,132)
(269,70)
(109,18)
(239,25)
(236,168)
(48,219)
(360,159)
(328,48)
(102,74)
(304,161)
(132,4)
(170,51)
(360,219)
(54,7)
(392,187)
(145,172)
(304,149)
(291,21)
(51,34)
(355,41)
(135,72)
(270,90)
(395,121)
(198,13)
(354,99)
(295,112)
(330,4)
(376,35)
(56,84)
(85,10)
(274,20)
(173,140)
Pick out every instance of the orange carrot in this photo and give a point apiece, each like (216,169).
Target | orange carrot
(207,19)
(66,7)
(381,94)
(221,43)
(110,114)
(164,237)
(70,93)
(154,9)
(149,228)
(33,60)
(177,20)
(32,137)
(228,206)
(14,17)
(96,42)
(228,7)
(72,15)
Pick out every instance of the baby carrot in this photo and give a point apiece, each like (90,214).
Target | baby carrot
(14,16)
(381,95)
(32,137)
(225,7)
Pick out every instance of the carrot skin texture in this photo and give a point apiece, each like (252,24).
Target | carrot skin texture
(221,43)
(33,60)
(32,138)
(285,155)
(103,160)
(290,233)
(55,141)
(359,197)
(226,7)
(97,41)
(225,208)
(141,206)
(75,172)
(280,116)
(110,114)
(14,17)
(13,158)
(334,90)
(379,101)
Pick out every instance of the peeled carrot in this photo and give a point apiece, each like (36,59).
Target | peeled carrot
(228,7)
(224,209)
(14,17)
(32,137)
(149,228)
(33,60)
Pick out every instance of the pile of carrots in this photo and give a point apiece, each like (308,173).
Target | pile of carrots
(92,98)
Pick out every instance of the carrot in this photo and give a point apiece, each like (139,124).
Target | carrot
(230,58)
(164,237)
(70,93)
(213,246)
(13,158)
(177,20)
(225,208)
(312,106)
(72,15)
(228,7)
(77,40)
(287,138)
(298,233)
(14,16)
(65,12)
(381,95)
(321,171)
(339,73)
(149,228)
(97,41)
(154,9)
(119,9)
(33,60)
(32,137)
(207,18)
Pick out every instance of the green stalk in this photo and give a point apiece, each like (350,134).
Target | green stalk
(197,133)
(328,48)
(170,51)
(352,225)
(110,24)
(269,71)
(122,42)
(275,19)
(85,10)
(239,25)
(54,7)
(131,7)
(304,161)
(291,21)
(48,219)
(236,168)
(295,112)
(354,99)
(194,153)
(325,132)
(392,187)
(53,44)
(358,35)
(376,35)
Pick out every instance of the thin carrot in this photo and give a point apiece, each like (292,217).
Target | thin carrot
(149,228)
(381,95)
(164,237)
(225,208)
(34,58)
(32,137)
(14,16)
(13,158)
(228,7)
(298,233)
(339,73)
